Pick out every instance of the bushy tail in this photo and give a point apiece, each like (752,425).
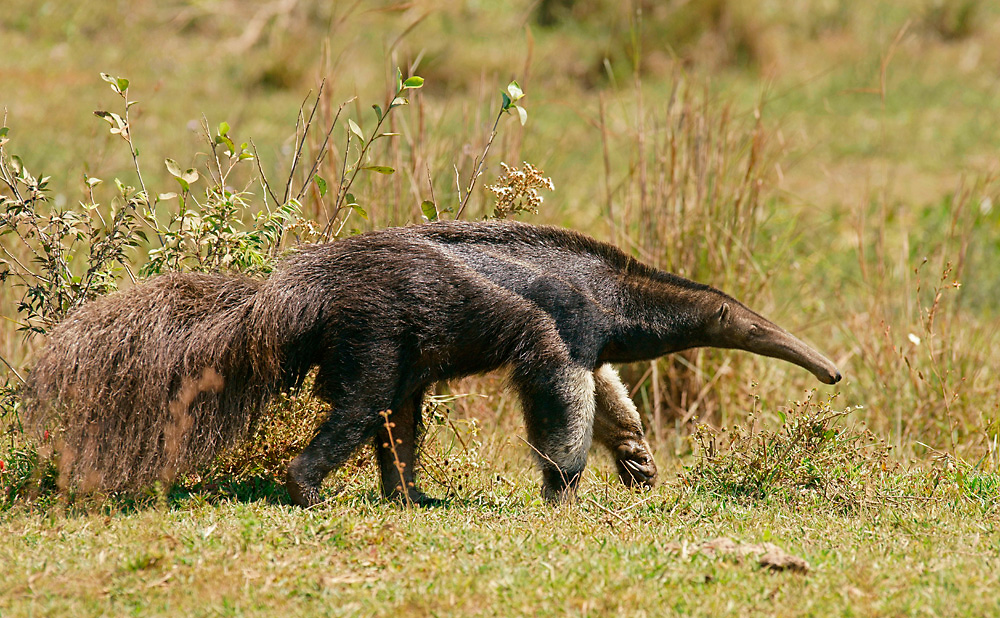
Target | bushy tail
(146,383)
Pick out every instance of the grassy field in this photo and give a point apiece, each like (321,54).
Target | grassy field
(834,165)
(502,555)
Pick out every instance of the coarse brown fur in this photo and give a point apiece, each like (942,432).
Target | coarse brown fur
(156,379)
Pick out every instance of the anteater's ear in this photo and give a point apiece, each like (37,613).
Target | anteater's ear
(723,314)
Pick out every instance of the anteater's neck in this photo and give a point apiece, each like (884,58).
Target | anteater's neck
(660,316)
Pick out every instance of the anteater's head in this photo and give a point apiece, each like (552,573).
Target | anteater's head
(732,325)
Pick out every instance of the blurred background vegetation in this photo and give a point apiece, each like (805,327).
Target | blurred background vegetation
(831,163)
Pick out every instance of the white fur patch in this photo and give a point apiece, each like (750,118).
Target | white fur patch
(570,446)
(613,402)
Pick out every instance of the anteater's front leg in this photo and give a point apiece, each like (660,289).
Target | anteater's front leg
(617,427)
(558,402)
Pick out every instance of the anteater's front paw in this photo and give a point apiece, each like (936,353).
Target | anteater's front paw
(559,495)
(636,467)
(559,487)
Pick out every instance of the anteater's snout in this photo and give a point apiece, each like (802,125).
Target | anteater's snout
(831,377)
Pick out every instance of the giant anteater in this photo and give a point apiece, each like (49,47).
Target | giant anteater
(155,379)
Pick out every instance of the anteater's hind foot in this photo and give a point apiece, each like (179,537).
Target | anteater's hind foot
(338,437)
(396,451)
(414,497)
(302,492)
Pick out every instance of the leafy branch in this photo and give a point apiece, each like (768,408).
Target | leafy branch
(344,198)
(123,127)
(508,103)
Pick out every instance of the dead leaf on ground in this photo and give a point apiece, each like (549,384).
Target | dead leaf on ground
(768,555)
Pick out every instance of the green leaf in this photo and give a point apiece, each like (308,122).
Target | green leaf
(117,122)
(378,112)
(359,210)
(515,91)
(122,84)
(321,184)
(3,131)
(381,169)
(414,81)
(223,128)
(351,200)
(399,80)
(173,168)
(230,146)
(429,209)
(506,101)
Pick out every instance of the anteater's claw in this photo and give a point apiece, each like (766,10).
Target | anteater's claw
(636,467)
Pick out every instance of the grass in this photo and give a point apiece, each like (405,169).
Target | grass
(868,189)
(905,542)
(505,554)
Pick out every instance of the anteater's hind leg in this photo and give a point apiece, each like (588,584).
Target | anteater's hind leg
(396,448)
(354,419)
(617,427)
(558,402)
(338,437)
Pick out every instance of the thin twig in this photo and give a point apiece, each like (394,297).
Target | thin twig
(11,367)
(301,143)
(138,172)
(345,186)
(479,168)
(386,414)
(609,511)
(263,178)
(322,150)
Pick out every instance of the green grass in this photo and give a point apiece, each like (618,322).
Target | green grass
(504,553)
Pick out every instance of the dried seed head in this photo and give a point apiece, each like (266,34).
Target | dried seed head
(517,190)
